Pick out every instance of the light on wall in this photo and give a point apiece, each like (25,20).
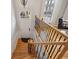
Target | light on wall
(25,14)
(24,2)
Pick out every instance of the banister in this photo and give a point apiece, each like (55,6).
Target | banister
(57,30)
(56,43)
(49,43)
(53,27)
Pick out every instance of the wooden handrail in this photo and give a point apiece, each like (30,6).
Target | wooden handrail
(53,28)
(58,31)
(49,43)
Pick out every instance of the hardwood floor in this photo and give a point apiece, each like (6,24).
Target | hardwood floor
(21,51)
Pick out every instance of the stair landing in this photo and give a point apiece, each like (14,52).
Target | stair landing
(21,51)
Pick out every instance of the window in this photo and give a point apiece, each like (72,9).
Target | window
(48,9)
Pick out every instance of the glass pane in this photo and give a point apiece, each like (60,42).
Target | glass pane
(49,1)
(51,8)
(52,1)
(48,8)
(49,5)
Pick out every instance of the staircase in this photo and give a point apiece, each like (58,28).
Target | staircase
(55,46)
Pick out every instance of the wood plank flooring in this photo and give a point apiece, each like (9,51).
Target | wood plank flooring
(21,51)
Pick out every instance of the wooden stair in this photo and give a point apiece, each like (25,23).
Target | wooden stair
(21,51)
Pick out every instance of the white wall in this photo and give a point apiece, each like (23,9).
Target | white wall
(42,8)
(34,6)
(65,17)
(17,24)
(59,9)
(14,30)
